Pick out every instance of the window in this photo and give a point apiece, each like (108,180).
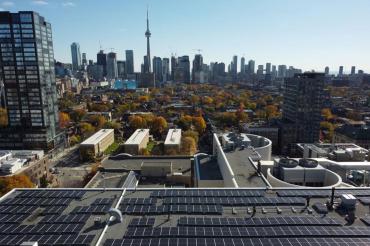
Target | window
(26,18)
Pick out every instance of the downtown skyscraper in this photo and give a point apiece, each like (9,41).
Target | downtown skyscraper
(130,62)
(27,65)
(76,56)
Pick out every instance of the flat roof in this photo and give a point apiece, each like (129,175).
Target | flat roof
(189,216)
(173,137)
(137,137)
(97,137)
(245,172)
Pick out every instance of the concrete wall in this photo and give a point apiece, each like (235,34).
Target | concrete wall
(265,143)
(330,179)
(226,171)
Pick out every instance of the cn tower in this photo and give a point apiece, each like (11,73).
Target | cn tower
(147,35)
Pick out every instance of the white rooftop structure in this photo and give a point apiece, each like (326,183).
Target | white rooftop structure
(137,137)
(173,137)
(97,137)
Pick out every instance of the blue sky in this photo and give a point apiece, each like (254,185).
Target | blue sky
(308,34)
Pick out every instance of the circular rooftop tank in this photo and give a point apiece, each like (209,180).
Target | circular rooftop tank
(308,163)
(289,163)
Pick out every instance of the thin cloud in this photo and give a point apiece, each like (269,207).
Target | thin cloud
(1,9)
(40,2)
(7,4)
(68,4)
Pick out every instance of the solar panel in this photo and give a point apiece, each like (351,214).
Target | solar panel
(75,194)
(249,232)
(238,201)
(65,219)
(366,220)
(139,201)
(265,221)
(93,209)
(239,241)
(142,222)
(54,210)
(173,209)
(207,193)
(103,201)
(323,193)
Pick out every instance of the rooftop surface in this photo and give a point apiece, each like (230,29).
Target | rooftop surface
(184,217)
(208,168)
(173,137)
(137,137)
(245,172)
(97,137)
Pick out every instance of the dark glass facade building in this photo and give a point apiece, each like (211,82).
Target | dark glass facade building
(27,70)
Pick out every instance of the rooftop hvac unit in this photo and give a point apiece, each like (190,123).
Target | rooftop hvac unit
(308,163)
(288,163)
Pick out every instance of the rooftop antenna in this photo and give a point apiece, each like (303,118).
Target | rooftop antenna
(101,47)
(199,50)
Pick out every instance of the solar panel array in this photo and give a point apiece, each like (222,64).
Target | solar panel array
(37,200)
(53,228)
(80,240)
(264,221)
(248,232)
(65,219)
(239,242)
(12,218)
(75,194)
(40,229)
(321,193)
(171,209)
(142,222)
(207,193)
(238,201)
(93,209)
(139,201)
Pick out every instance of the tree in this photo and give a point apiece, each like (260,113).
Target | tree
(77,115)
(159,124)
(271,111)
(188,146)
(3,118)
(199,124)
(44,182)
(144,151)
(192,134)
(94,169)
(326,113)
(86,129)
(75,139)
(329,127)
(112,125)
(143,99)
(194,99)
(15,181)
(136,122)
(207,100)
(64,120)
(97,120)
(185,122)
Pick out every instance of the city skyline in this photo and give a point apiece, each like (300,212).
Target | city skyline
(257,36)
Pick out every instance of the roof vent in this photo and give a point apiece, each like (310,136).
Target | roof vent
(116,213)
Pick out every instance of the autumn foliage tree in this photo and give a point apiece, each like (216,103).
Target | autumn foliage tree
(86,129)
(159,124)
(15,181)
(188,146)
(64,120)
(137,122)
(199,124)
(3,118)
